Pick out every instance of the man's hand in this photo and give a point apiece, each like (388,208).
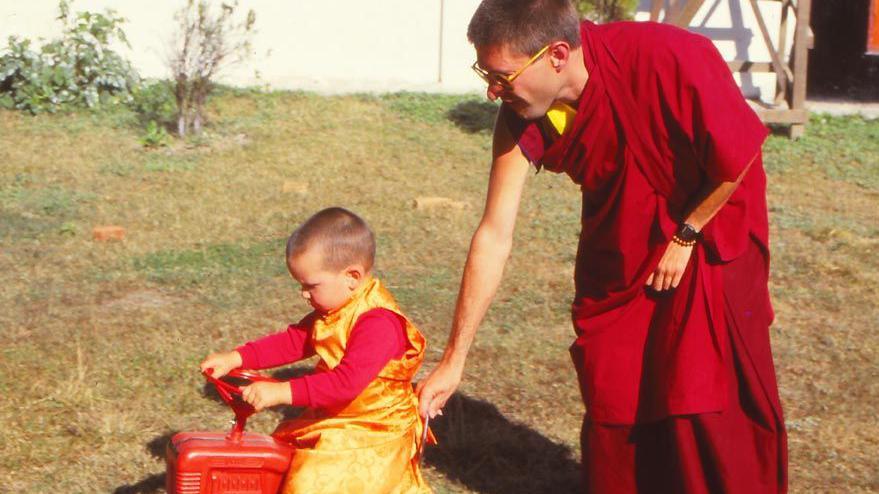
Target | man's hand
(265,394)
(221,363)
(671,267)
(435,391)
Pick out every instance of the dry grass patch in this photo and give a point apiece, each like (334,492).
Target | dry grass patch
(100,341)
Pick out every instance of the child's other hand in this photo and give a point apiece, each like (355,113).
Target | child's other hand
(265,394)
(221,363)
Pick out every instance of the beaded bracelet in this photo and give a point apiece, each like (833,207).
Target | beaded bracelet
(683,243)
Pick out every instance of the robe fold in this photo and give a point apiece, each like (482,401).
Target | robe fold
(660,116)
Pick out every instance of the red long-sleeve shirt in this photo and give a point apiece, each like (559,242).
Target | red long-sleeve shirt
(377,337)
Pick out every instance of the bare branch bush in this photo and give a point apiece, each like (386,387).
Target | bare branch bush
(208,40)
(602,11)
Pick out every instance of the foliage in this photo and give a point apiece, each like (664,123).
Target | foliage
(77,70)
(208,40)
(153,101)
(154,104)
(155,136)
(606,10)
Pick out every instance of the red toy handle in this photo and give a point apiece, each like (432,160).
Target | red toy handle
(231,394)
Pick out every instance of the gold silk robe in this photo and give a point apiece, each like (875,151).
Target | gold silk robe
(369,445)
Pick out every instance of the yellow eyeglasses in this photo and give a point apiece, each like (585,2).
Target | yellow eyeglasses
(506,81)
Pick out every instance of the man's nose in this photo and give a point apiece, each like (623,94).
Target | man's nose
(493,91)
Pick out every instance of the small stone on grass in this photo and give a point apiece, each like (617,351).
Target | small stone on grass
(291,186)
(439,203)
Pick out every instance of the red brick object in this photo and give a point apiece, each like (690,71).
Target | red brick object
(108,232)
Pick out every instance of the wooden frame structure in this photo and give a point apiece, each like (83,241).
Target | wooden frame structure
(788,107)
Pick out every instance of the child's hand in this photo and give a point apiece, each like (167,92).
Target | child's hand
(221,363)
(265,394)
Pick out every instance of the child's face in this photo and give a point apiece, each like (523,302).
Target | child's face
(325,290)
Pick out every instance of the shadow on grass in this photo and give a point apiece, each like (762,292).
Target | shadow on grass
(149,485)
(155,482)
(478,447)
(473,116)
(483,450)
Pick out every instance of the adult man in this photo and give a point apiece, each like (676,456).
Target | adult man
(671,309)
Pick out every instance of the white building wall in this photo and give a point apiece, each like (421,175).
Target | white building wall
(356,45)
(328,45)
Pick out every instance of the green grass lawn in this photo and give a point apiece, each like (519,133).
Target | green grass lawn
(99,342)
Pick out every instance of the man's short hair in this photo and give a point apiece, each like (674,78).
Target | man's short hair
(343,238)
(525,26)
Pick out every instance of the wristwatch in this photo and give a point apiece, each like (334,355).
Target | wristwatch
(687,233)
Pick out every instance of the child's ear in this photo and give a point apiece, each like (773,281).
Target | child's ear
(355,273)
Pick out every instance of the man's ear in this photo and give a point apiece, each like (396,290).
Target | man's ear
(559,53)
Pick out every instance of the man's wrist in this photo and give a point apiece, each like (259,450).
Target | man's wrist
(454,360)
(686,235)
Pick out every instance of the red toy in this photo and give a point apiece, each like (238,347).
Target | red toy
(238,462)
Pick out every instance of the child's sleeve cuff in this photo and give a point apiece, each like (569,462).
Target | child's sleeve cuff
(249,360)
(299,390)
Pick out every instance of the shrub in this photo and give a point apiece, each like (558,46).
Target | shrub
(77,70)
(606,10)
(208,39)
(153,101)
(154,136)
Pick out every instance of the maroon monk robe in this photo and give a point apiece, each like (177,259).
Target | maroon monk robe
(660,115)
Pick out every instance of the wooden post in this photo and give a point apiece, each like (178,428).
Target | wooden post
(800,58)
(777,65)
(686,13)
(655,8)
(781,91)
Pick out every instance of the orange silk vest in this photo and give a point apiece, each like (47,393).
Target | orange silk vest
(369,445)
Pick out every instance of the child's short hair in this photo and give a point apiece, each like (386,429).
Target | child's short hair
(342,236)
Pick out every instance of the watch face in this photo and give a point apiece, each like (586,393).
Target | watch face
(687,233)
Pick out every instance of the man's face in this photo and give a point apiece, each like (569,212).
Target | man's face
(532,92)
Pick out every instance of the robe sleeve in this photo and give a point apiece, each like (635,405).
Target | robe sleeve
(526,134)
(725,135)
(701,94)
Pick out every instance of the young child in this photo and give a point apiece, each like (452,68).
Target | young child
(361,430)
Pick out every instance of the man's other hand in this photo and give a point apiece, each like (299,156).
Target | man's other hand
(436,389)
(671,267)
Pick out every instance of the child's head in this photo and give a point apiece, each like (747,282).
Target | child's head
(330,255)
